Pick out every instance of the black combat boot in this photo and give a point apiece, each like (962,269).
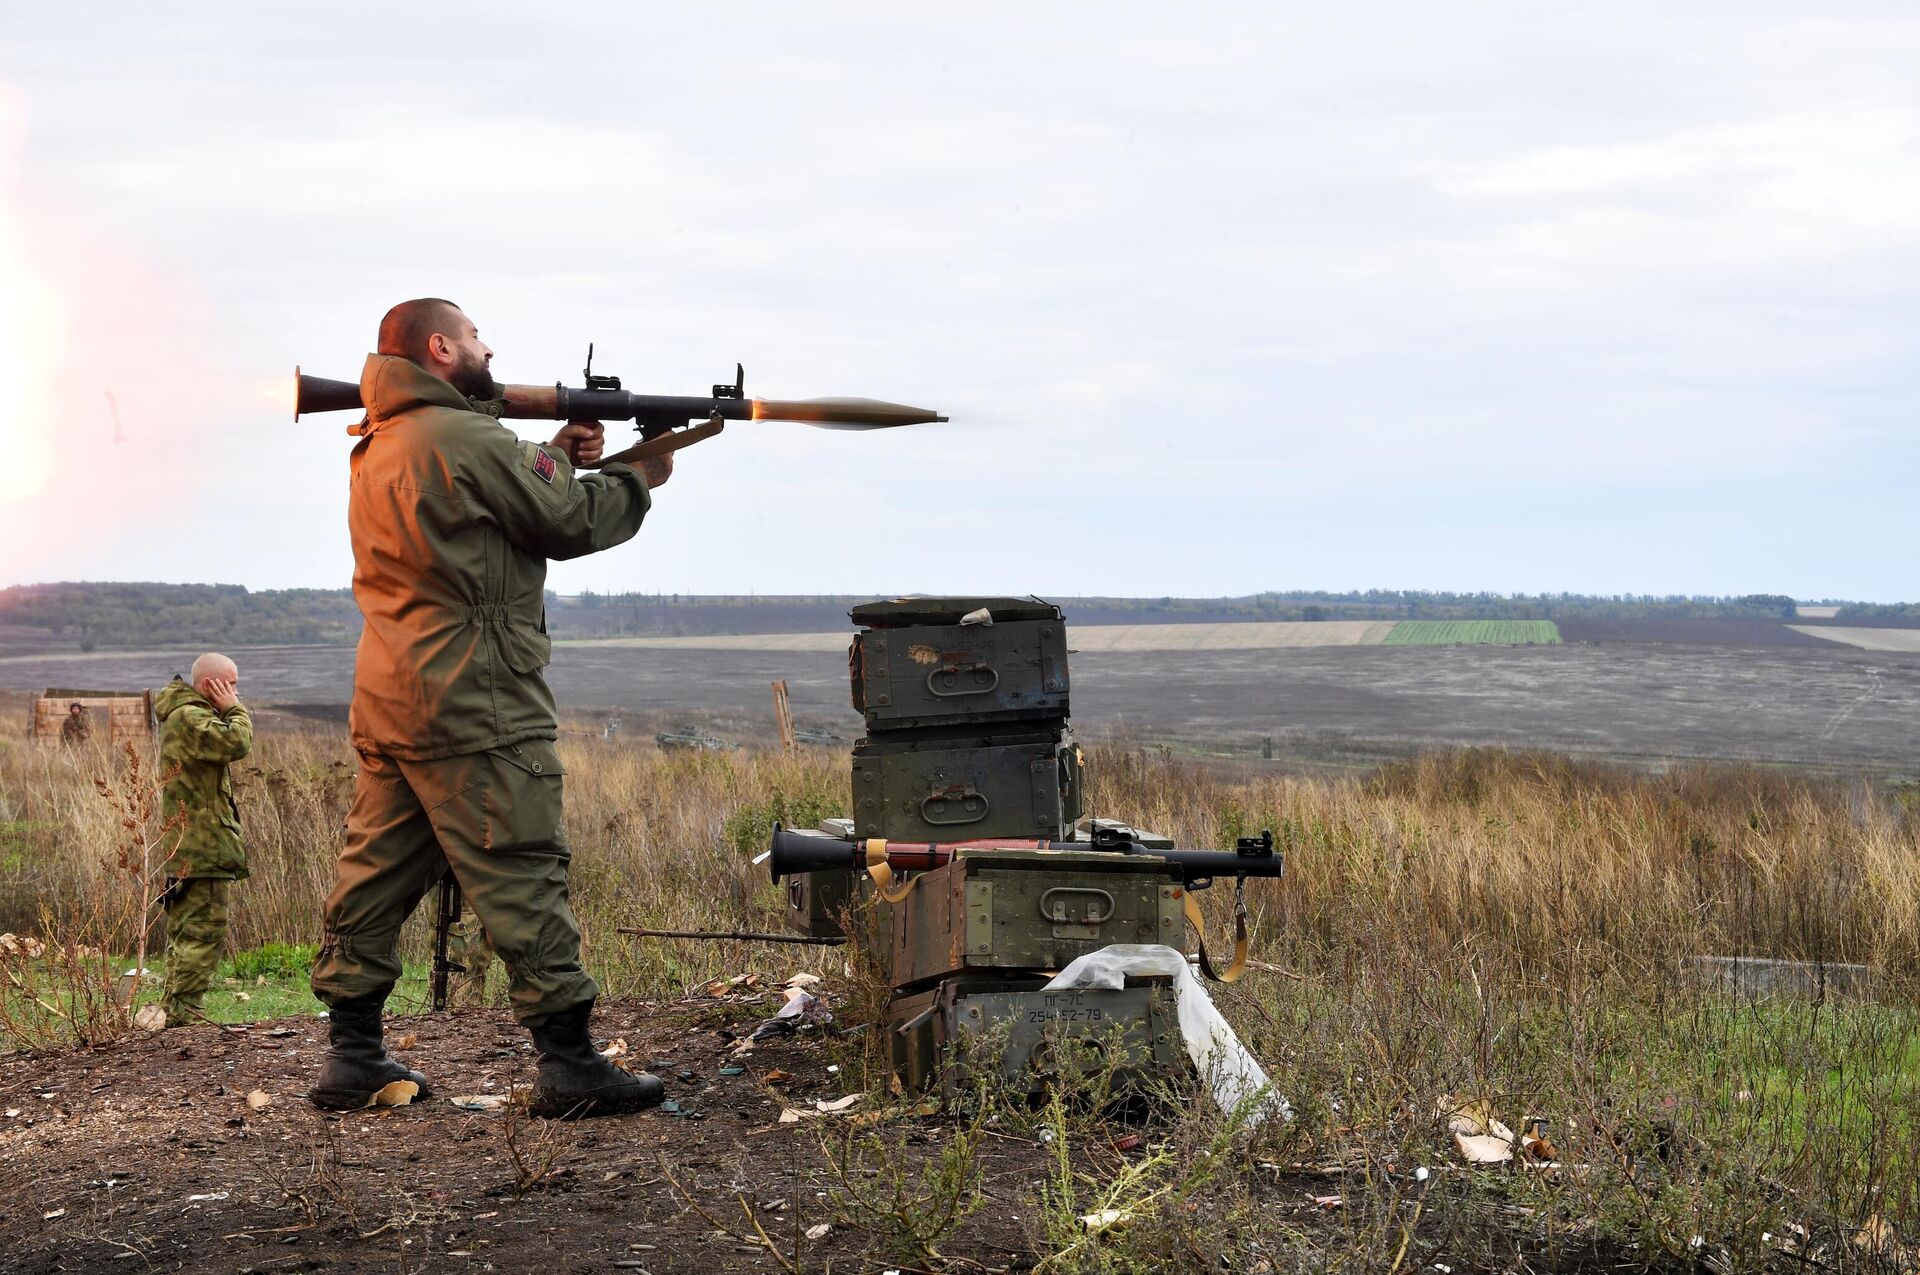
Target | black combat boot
(357,1065)
(575,1082)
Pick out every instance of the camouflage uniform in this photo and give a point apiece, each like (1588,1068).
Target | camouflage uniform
(76,730)
(204,853)
(468,946)
(453,518)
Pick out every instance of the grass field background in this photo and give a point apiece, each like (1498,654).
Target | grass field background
(1473,633)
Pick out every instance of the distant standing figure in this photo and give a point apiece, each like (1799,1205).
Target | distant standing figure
(76,730)
(203,729)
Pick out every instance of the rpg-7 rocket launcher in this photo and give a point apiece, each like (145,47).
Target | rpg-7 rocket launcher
(796,853)
(667,422)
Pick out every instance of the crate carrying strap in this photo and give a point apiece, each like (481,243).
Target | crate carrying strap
(1240,944)
(882,872)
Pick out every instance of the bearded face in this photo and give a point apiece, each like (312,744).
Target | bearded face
(472,377)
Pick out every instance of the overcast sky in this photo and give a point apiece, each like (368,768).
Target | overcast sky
(1220,298)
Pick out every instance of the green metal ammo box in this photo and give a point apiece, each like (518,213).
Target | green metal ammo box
(939,1038)
(945,788)
(918,666)
(1030,911)
(816,900)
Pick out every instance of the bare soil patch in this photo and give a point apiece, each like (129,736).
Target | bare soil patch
(1804,702)
(150,1148)
(148,1154)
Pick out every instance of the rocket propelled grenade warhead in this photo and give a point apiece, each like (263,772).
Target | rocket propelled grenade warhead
(666,422)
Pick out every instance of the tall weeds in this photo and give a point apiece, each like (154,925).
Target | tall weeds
(1532,860)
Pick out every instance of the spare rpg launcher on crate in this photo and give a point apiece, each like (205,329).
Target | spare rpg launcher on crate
(667,422)
(969,782)
(794,852)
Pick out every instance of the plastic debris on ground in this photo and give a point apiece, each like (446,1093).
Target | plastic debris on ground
(1479,1137)
(1230,1072)
(801,1007)
(821,1107)
(483,1101)
(738,983)
(397,1094)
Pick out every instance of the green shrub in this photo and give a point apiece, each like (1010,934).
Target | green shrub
(274,961)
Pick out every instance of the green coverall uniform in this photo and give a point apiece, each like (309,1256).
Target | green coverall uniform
(205,855)
(453,518)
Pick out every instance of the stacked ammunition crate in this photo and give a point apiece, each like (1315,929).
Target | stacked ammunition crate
(965,701)
(966,704)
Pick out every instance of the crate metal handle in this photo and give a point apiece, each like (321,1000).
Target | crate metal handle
(1058,914)
(952,673)
(966,795)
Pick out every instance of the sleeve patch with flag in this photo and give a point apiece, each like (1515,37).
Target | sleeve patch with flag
(543,465)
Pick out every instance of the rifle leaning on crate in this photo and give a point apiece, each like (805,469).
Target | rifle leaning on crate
(794,853)
(446,912)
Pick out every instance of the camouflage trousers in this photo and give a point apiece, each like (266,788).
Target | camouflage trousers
(494,820)
(468,946)
(196,933)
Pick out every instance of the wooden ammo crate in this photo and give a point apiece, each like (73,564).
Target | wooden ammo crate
(1007,911)
(914,786)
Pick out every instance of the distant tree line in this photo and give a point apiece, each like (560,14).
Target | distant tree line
(132,615)
(89,615)
(1878,612)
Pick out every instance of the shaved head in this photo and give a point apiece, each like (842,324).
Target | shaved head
(439,338)
(411,324)
(212,665)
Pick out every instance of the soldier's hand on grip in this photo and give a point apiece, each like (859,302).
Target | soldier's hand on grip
(583,441)
(657,469)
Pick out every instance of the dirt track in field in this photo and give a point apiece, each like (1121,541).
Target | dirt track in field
(1907,640)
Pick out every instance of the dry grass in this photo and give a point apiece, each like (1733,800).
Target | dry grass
(1533,860)
(1509,927)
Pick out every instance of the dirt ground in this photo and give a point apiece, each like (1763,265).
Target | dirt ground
(146,1155)
(158,1153)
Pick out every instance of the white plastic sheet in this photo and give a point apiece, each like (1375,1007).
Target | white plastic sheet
(1222,1061)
